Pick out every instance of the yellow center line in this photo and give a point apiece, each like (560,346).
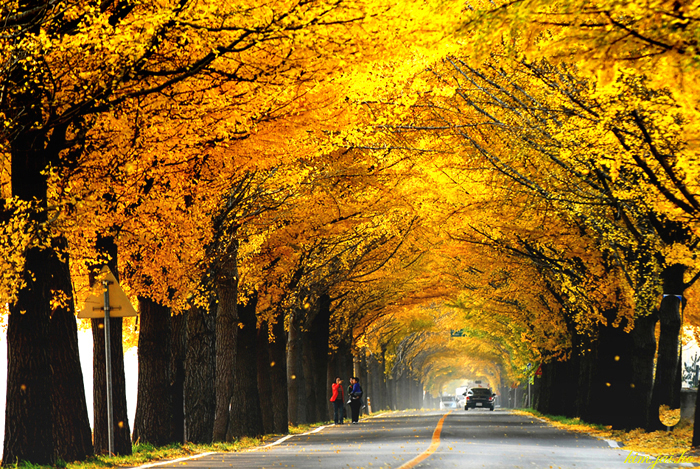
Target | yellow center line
(431,449)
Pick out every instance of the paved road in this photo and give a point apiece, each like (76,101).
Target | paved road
(473,439)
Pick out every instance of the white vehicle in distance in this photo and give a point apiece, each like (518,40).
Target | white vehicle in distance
(460,394)
(448,402)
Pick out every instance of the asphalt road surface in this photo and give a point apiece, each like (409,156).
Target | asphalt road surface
(433,439)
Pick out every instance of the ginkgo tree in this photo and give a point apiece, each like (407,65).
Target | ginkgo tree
(74,63)
(543,116)
(642,60)
(273,164)
(337,250)
(629,244)
(603,159)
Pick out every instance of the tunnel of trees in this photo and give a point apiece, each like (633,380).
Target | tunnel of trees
(298,191)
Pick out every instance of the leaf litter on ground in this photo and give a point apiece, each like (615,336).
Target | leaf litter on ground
(657,443)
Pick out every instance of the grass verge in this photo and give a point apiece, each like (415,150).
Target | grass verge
(146,453)
(659,443)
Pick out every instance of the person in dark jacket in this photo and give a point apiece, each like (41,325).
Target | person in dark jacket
(355,399)
(338,400)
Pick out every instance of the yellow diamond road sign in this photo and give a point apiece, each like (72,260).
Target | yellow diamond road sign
(119,304)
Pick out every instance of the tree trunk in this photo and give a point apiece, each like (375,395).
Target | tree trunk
(676,397)
(263,376)
(245,417)
(278,377)
(363,375)
(547,388)
(696,424)
(297,412)
(108,255)
(397,383)
(590,387)
(395,392)
(320,331)
(154,419)
(419,394)
(308,365)
(535,392)
(643,353)
(226,337)
(377,387)
(177,375)
(391,398)
(28,417)
(372,386)
(384,391)
(347,369)
(122,433)
(606,375)
(669,339)
(200,370)
(560,390)
(344,364)
(28,429)
(401,391)
(331,375)
(71,427)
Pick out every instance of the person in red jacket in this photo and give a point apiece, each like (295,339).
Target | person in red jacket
(338,400)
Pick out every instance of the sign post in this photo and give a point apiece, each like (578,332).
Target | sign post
(108,306)
(108,368)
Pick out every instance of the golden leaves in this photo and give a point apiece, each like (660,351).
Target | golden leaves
(17,234)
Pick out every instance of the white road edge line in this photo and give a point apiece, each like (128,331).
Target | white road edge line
(316,430)
(196,456)
(285,438)
(173,461)
(612,443)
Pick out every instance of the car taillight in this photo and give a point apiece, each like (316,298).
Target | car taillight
(468,398)
(490,398)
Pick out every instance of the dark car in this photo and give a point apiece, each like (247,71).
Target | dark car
(479,397)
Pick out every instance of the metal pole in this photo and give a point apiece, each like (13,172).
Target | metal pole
(108,358)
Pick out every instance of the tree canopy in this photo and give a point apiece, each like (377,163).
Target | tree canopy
(525,173)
